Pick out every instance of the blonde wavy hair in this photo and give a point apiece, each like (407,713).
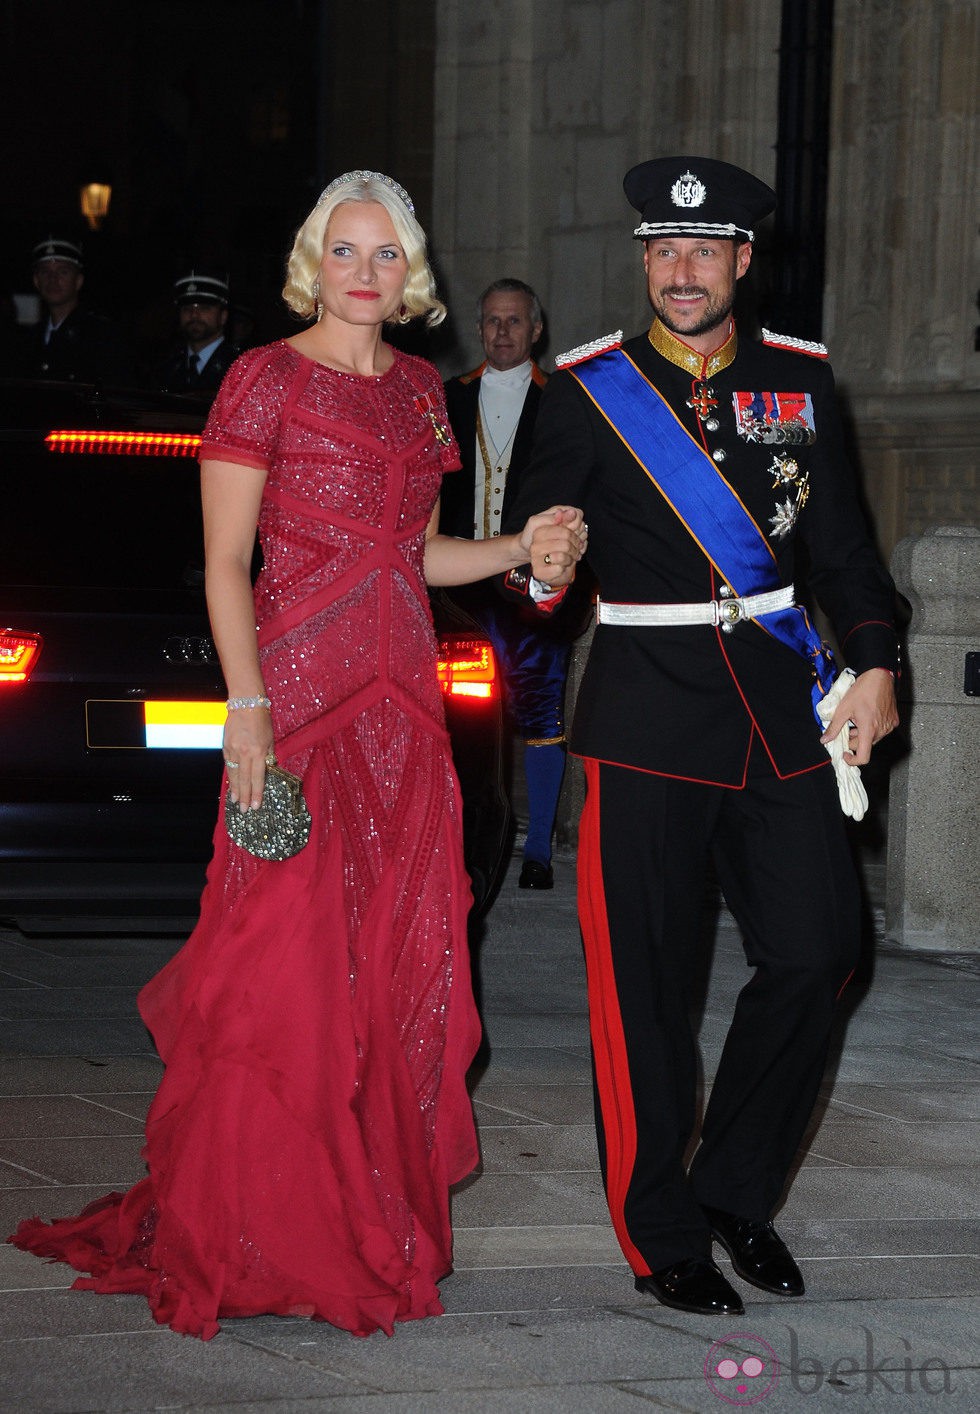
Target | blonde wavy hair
(304,260)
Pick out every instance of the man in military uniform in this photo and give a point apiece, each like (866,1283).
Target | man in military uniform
(700,459)
(204,354)
(492,411)
(72,344)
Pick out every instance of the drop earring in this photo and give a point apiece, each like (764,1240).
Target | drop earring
(317,306)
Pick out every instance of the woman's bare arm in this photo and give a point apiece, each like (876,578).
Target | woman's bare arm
(558,533)
(231,496)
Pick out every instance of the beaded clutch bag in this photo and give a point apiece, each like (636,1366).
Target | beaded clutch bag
(281,825)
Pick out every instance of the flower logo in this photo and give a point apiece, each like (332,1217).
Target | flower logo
(741,1369)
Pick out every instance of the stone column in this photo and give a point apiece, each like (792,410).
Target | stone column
(934,800)
(900,309)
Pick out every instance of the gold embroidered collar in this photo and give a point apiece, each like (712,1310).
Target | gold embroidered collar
(689,359)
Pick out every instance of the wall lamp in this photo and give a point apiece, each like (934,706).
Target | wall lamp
(95,198)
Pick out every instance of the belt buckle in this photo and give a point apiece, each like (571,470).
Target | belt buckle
(730,612)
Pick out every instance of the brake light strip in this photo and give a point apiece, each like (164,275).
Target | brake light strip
(140,444)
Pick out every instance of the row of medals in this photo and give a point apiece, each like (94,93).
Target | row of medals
(785,470)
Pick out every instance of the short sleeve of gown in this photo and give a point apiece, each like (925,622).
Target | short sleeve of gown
(243,425)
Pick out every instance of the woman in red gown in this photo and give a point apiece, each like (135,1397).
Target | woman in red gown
(317,1026)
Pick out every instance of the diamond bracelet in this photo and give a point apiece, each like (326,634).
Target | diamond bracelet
(234,703)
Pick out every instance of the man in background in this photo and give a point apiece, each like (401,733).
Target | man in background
(72,343)
(492,411)
(203,354)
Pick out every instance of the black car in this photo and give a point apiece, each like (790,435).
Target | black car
(111,696)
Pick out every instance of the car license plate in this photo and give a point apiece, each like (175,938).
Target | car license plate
(154,725)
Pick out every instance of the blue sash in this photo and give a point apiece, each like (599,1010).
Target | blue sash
(706,505)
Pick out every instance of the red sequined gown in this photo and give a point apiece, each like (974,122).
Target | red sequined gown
(318,1024)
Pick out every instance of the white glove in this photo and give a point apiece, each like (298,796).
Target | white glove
(850,788)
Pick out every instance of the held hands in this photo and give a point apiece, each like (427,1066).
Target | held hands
(868,712)
(554,541)
(248,742)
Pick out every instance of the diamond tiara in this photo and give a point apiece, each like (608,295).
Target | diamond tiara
(399,191)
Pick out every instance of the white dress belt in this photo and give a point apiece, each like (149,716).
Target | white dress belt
(725,612)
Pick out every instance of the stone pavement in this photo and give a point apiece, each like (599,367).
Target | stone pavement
(541,1310)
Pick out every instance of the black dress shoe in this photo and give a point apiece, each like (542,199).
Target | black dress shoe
(758,1253)
(535,875)
(693,1285)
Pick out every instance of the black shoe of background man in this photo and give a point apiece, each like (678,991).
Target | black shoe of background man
(535,875)
(758,1253)
(695,1285)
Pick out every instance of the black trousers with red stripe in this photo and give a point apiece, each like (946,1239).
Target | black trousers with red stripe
(784,865)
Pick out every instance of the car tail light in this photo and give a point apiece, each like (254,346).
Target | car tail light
(138,444)
(19,653)
(467,667)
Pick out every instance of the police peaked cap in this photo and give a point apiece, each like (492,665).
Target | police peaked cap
(697,196)
(200,289)
(57,248)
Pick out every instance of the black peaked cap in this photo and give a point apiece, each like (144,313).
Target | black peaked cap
(696,196)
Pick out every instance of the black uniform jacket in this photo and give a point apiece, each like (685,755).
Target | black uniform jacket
(684,702)
(459,487)
(86,347)
(175,376)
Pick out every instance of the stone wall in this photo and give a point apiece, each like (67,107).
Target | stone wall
(900,310)
(920,455)
(934,797)
(542,106)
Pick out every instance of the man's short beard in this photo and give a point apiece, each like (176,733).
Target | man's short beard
(712,319)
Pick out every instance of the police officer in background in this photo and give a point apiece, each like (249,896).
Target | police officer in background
(72,343)
(712,729)
(204,354)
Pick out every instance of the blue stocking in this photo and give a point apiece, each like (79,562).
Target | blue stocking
(544,767)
